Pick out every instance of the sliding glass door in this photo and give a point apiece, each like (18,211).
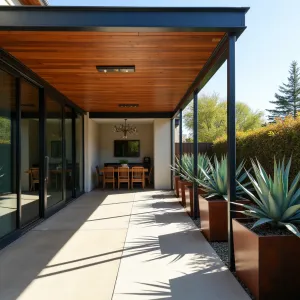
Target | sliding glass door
(41,152)
(69,152)
(30,164)
(8,193)
(79,182)
(54,152)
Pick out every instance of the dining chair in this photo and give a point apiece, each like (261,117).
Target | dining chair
(123,176)
(109,176)
(148,175)
(99,176)
(34,177)
(137,176)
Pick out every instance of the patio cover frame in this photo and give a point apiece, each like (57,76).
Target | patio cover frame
(146,19)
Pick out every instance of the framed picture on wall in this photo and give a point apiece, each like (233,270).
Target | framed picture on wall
(56,149)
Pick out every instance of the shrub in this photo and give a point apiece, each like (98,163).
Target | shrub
(280,139)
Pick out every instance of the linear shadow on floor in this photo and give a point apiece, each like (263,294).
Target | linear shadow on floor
(21,262)
(210,280)
(153,291)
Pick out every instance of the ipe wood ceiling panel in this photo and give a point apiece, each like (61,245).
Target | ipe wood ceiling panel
(166,65)
(30,2)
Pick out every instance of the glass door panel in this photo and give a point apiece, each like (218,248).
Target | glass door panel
(68,152)
(79,154)
(54,150)
(8,196)
(30,168)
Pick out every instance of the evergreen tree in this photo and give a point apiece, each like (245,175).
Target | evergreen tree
(288,100)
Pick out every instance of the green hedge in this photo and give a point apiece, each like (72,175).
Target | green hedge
(281,139)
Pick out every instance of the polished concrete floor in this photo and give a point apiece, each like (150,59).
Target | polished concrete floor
(120,246)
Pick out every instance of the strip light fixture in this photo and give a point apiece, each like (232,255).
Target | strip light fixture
(116,69)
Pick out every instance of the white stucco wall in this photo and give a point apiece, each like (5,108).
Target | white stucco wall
(155,141)
(106,138)
(91,146)
(162,153)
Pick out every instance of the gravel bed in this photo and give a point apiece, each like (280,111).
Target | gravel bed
(221,249)
(267,229)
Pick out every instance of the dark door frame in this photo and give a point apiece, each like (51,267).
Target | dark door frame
(13,68)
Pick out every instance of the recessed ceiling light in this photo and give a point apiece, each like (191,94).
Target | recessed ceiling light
(128,105)
(115,69)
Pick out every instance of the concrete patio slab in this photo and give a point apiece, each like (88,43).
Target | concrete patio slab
(116,246)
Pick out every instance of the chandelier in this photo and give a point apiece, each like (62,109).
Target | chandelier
(125,129)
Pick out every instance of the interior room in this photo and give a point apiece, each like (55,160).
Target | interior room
(115,149)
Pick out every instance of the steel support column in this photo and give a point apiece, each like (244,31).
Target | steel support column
(180,137)
(231,143)
(172,151)
(195,138)
(17,143)
(44,159)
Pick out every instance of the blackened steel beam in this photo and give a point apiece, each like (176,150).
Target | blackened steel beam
(123,19)
(128,115)
(180,137)
(195,137)
(231,143)
(212,65)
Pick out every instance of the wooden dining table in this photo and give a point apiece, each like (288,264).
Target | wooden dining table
(116,170)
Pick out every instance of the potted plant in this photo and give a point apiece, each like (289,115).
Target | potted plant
(267,244)
(213,205)
(176,170)
(124,162)
(188,174)
(186,167)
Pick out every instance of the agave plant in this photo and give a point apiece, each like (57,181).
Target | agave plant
(185,166)
(188,169)
(277,203)
(214,181)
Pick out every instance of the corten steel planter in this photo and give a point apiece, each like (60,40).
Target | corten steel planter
(213,218)
(182,184)
(176,180)
(268,265)
(189,198)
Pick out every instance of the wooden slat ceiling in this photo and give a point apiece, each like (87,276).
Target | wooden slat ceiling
(30,2)
(166,65)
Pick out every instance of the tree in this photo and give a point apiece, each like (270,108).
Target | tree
(212,117)
(288,100)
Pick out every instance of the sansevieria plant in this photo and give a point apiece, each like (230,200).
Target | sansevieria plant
(277,203)
(214,178)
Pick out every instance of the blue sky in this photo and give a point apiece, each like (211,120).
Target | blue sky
(264,51)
